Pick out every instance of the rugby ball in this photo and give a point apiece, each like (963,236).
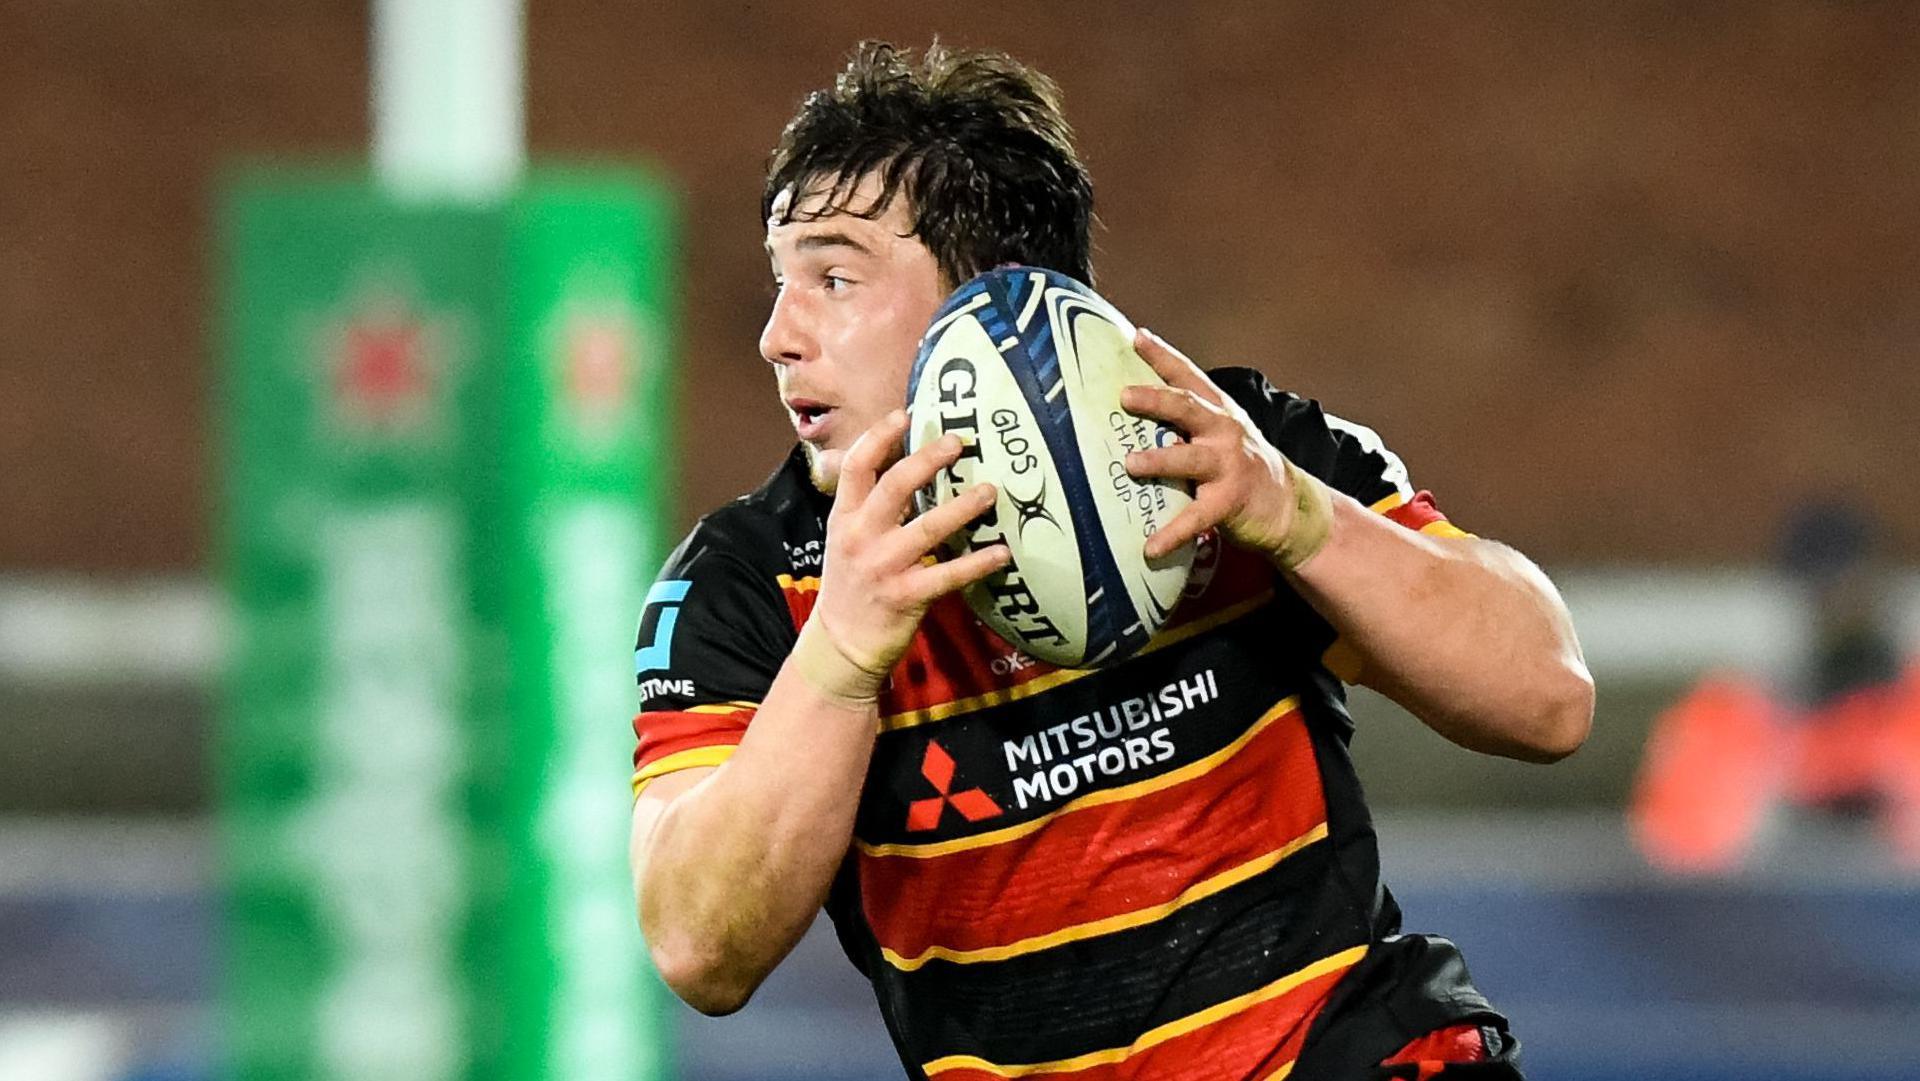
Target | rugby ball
(1026,366)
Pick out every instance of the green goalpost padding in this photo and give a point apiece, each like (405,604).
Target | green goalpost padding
(445,462)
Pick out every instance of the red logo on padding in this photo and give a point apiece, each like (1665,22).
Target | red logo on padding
(937,767)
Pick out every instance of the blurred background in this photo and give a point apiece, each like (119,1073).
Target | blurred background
(1632,287)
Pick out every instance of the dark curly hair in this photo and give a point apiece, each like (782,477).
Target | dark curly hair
(975,141)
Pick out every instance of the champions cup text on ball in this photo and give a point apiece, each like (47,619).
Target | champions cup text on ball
(1026,367)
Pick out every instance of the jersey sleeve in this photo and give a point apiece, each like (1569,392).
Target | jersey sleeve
(713,633)
(1349,458)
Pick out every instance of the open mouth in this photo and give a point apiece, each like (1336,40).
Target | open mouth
(809,417)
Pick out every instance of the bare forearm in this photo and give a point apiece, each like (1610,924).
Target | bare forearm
(1467,634)
(737,867)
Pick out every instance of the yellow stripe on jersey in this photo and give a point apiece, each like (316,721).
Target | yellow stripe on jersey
(722,707)
(916,717)
(1154,1037)
(1092,799)
(959,706)
(1199,891)
(1343,661)
(1387,504)
(679,760)
(1441,528)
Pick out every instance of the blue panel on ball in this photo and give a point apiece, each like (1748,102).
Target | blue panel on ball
(1041,374)
(1113,629)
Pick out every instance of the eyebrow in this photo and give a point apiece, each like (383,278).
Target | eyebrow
(817,241)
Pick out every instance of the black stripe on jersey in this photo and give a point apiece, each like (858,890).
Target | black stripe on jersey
(1190,700)
(1099,993)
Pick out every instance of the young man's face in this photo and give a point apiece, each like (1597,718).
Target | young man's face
(854,296)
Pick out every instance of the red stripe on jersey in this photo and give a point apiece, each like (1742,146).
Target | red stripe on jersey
(800,598)
(953,655)
(665,732)
(1435,1051)
(962,666)
(1101,861)
(1416,513)
(1254,1041)
(1223,575)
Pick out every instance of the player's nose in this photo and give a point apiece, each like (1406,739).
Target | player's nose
(785,338)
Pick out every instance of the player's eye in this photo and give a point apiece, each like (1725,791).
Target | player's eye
(834,283)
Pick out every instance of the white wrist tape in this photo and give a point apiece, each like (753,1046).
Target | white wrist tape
(1312,521)
(829,670)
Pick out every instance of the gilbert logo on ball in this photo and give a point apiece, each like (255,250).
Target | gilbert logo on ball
(1026,366)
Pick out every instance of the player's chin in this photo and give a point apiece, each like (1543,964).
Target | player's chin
(823,467)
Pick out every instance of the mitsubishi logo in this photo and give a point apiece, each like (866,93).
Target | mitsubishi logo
(937,767)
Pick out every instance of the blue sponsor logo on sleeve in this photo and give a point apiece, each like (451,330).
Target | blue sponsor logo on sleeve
(657,653)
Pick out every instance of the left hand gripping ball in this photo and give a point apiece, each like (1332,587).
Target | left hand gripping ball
(1026,366)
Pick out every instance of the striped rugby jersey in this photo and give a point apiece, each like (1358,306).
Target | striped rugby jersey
(1163,869)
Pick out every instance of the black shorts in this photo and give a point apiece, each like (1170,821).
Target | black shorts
(1396,1003)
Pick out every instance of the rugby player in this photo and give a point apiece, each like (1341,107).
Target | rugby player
(1162,869)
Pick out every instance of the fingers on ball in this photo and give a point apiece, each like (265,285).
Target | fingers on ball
(1193,520)
(1189,461)
(869,455)
(1178,406)
(1169,363)
(963,570)
(914,472)
(930,529)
